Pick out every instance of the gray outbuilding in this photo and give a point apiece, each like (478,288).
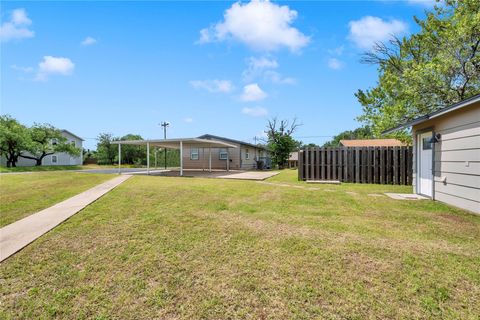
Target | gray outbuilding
(446,159)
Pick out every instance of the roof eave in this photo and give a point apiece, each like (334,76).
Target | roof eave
(438,113)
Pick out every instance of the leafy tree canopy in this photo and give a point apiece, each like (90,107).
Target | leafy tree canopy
(436,67)
(280,140)
(45,140)
(14,138)
(359,133)
(106,151)
(133,154)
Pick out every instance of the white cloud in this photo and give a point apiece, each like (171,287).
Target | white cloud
(277,78)
(17,27)
(369,30)
(335,64)
(88,41)
(338,51)
(19,17)
(252,92)
(214,86)
(260,25)
(188,120)
(54,65)
(255,112)
(22,69)
(263,68)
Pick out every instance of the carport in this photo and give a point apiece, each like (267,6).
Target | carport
(176,144)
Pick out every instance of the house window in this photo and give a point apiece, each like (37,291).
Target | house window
(223,154)
(426,144)
(194,154)
(247,154)
(73,143)
(54,159)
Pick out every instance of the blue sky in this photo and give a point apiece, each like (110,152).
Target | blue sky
(207,67)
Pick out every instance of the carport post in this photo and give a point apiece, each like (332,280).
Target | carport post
(148,157)
(209,159)
(156,157)
(119,156)
(228,159)
(181,158)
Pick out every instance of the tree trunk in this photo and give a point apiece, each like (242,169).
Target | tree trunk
(38,162)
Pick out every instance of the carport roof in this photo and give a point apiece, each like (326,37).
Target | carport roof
(175,143)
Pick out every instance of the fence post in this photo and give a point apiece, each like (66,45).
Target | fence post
(300,165)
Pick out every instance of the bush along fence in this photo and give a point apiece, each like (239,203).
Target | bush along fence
(381,165)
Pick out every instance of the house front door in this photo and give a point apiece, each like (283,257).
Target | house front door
(424,164)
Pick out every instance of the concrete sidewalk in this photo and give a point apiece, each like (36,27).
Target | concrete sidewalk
(17,235)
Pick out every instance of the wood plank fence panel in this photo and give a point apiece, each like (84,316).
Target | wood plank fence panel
(383,165)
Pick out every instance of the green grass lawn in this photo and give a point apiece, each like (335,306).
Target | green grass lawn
(24,194)
(62,168)
(170,248)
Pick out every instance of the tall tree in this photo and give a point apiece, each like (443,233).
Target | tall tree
(14,139)
(106,151)
(280,140)
(438,66)
(359,133)
(46,140)
(132,154)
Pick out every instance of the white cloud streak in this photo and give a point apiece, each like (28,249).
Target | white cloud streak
(255,112)
(264,68)
(88,41)
(369,30)
(213,86)
(335,64)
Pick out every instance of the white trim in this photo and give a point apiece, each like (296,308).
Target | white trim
(197,154)
(148,158)
(418,177)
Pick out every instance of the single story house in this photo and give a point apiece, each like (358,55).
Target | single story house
(293,160)
(243,157)
(56,159)
(372,143)
(207,152)
(446,154)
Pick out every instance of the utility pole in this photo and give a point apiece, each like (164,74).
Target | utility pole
(165,124)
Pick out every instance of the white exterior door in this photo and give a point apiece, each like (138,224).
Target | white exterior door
(424,164)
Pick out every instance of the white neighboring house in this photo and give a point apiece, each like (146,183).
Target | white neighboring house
(56,159)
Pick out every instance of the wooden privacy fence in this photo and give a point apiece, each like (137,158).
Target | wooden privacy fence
(382,165)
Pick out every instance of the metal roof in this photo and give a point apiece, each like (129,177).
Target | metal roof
(213,137)
(72,134)
(372,143)
(438,113)
(175,143)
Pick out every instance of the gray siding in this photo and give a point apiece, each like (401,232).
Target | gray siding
(63,159)
(457,158)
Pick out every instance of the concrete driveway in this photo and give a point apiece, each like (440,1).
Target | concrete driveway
(218,174)
(114,170)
